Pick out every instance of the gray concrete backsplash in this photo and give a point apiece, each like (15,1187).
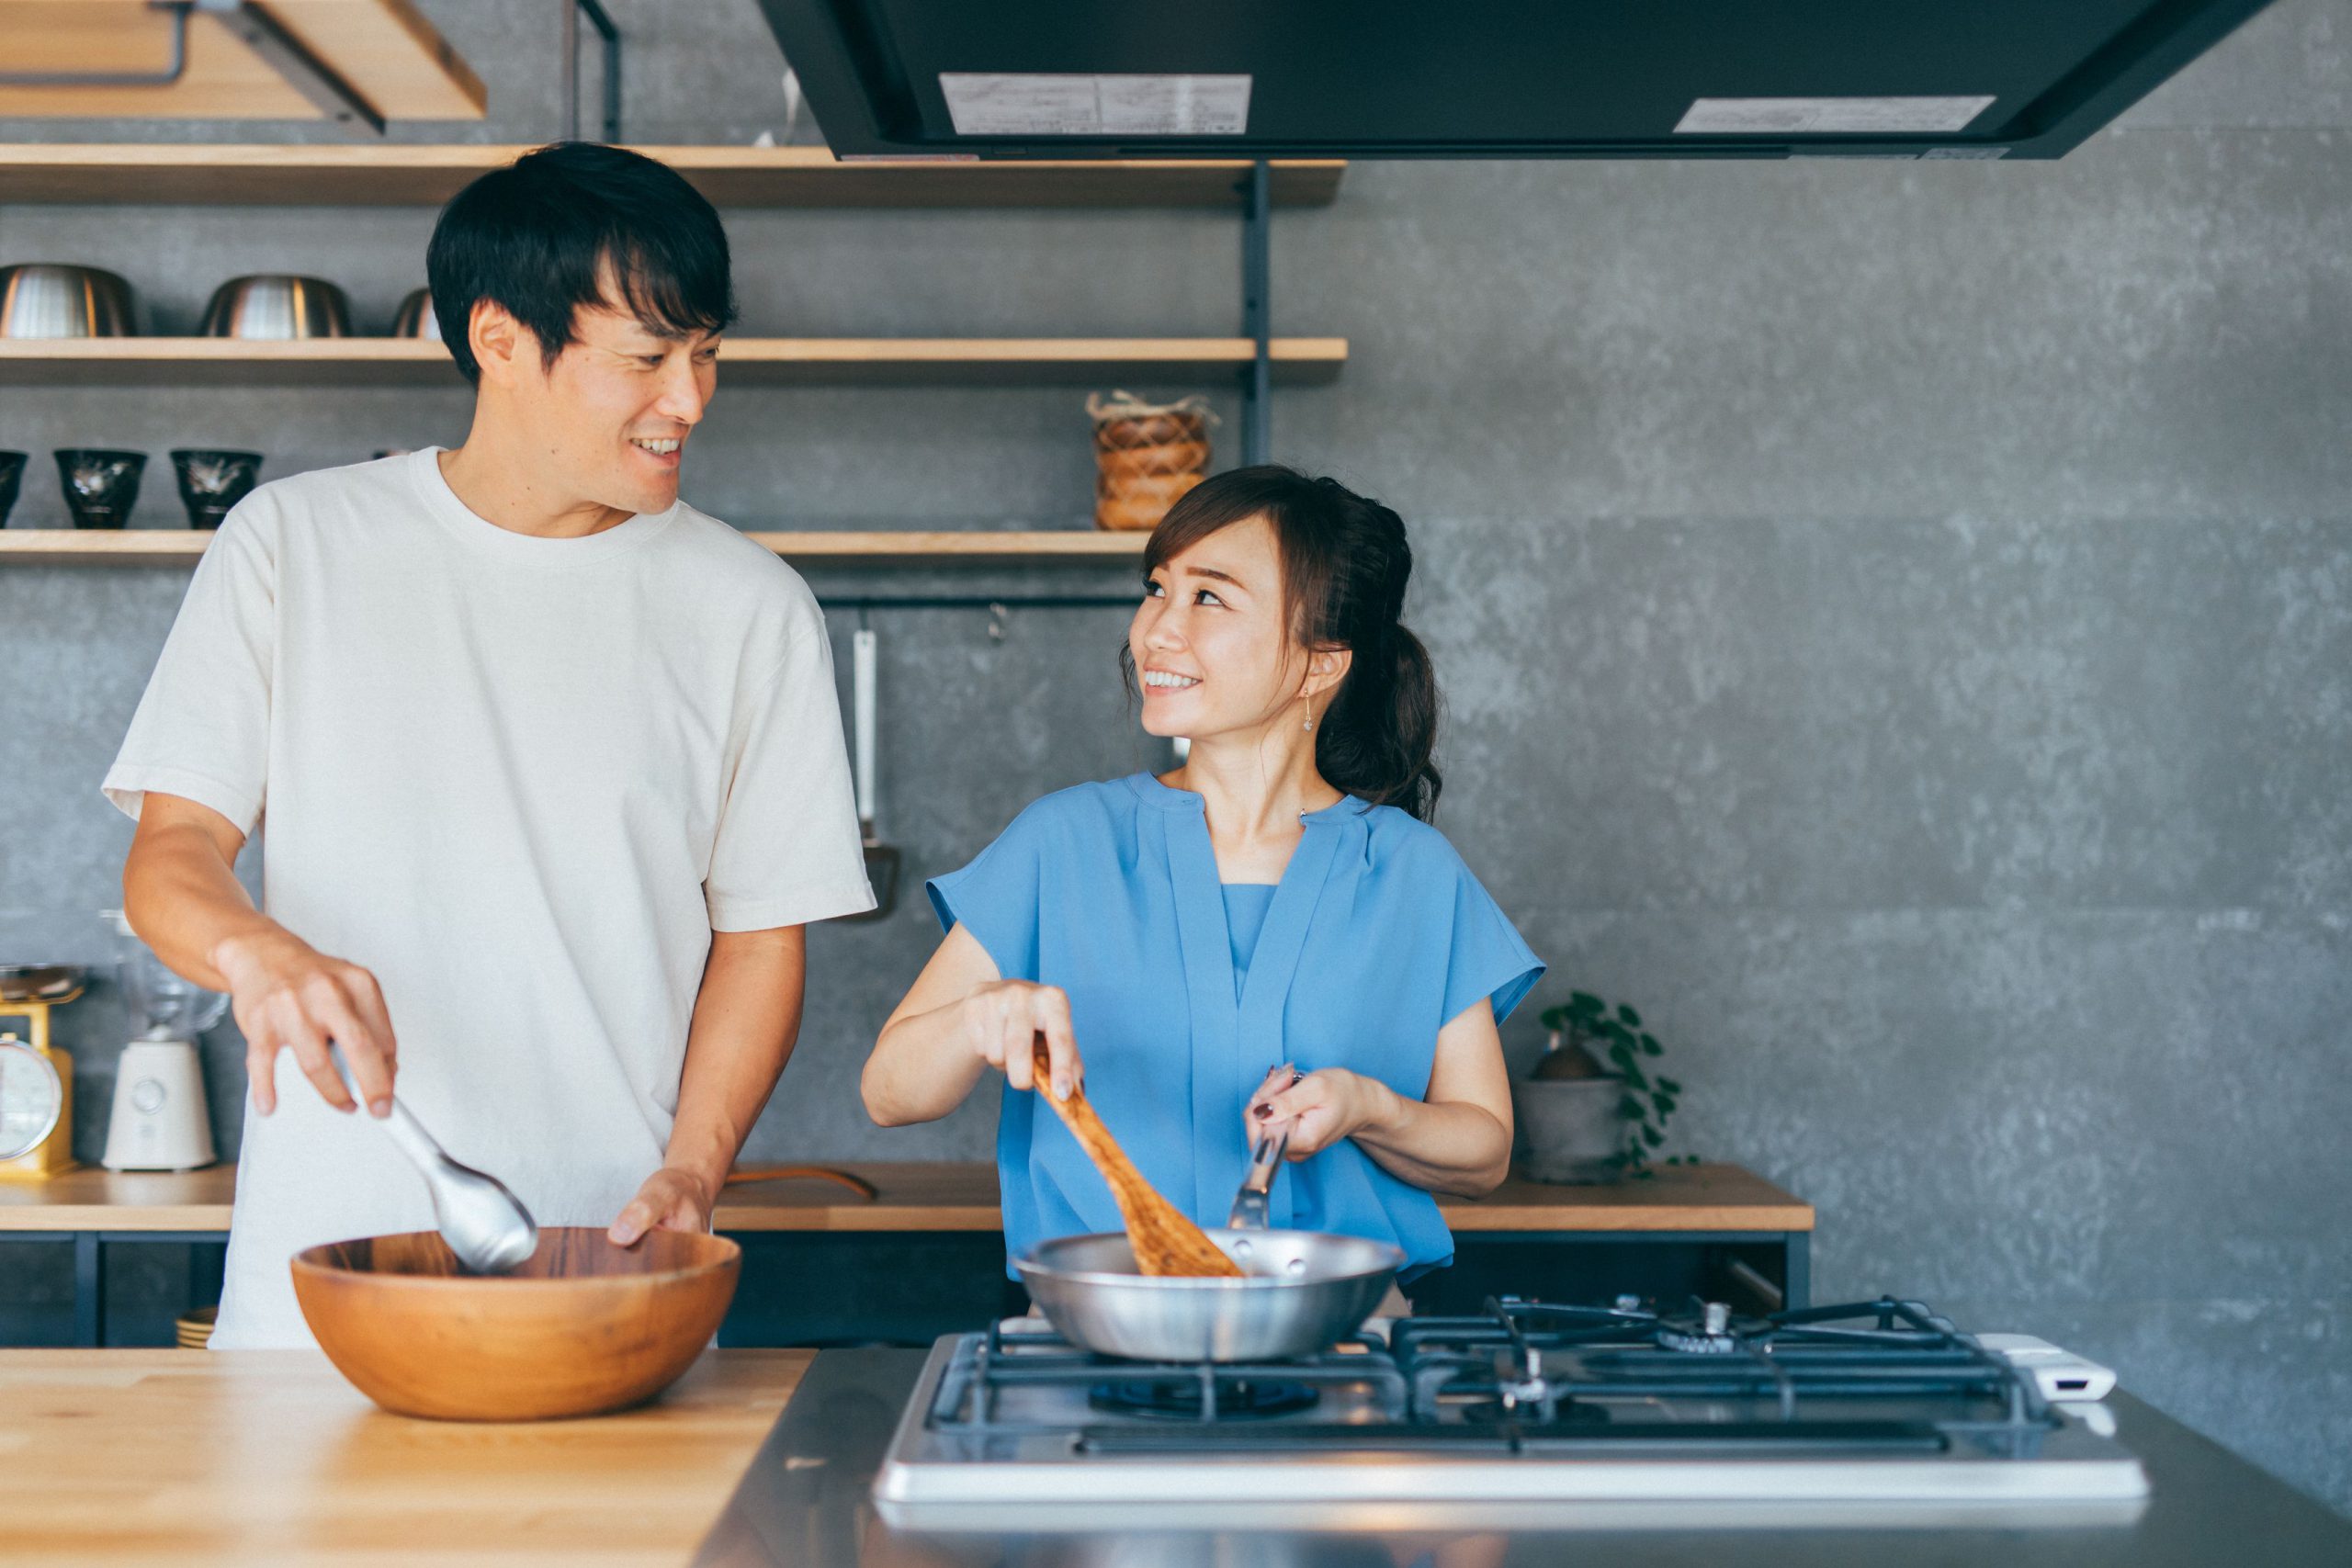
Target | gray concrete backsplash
(1895,623)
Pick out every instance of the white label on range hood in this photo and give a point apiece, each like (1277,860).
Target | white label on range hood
(1800,116)
(1037,103)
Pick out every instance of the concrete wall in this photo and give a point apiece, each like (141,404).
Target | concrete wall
(1897,622)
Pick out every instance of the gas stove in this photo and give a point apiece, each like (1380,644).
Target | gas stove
(1528,1405)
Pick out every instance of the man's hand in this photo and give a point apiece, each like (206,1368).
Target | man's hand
(286,994)
(671,1199)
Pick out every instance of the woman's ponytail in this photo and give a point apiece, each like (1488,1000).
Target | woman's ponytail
(1379,738)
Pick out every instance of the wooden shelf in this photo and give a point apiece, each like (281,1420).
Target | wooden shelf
(775,361)
(415,174)
(956,1195)
(179,546)
(386,50)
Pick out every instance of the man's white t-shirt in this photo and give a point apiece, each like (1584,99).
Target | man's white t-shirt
(521,780)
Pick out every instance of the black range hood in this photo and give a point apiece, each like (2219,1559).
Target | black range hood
(1482,78)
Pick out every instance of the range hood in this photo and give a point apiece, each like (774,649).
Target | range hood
(1483,78)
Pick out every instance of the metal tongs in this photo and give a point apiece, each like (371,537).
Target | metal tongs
(484,1224)
(1265,1158)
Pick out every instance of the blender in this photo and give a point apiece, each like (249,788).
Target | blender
(160,1120)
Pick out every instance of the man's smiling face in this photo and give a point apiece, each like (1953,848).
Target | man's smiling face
(613,413)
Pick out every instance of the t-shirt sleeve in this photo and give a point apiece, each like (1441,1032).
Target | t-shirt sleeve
(1489,957)
(201,731)
(997,897)
(787,851)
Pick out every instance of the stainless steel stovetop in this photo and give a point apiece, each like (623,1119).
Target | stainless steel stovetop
(1531,1407)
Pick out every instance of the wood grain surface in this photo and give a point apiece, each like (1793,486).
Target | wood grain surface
(426,174)
(140,1459)
(957,1195)
(1165,1239)
(386,50)
(743,361)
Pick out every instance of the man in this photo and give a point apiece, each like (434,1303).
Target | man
(551,764)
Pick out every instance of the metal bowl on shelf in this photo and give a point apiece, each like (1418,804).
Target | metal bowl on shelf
(415,317)
(275,306)
(40,982)
(44,299)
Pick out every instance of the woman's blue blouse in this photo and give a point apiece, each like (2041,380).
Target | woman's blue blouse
(1376,938)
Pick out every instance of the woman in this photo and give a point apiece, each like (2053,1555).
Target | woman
(1277,899)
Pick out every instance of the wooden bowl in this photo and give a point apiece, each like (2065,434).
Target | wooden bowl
(581,1328)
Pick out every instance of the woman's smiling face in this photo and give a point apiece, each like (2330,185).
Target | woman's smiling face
(1212,644)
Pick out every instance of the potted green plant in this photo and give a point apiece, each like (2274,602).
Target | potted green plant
(1590,1111)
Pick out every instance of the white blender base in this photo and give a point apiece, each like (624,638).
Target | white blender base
(160,1120)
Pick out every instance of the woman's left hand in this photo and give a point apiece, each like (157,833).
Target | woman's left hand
(1322,1108)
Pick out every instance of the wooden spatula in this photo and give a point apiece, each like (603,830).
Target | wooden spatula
(1165,1241)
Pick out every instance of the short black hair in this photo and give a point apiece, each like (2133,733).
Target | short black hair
(536,236)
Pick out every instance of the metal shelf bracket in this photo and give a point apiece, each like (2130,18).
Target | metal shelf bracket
(1257,313)
(610,40)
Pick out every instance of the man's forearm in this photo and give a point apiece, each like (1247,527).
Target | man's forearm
(747,1017)
(181,896)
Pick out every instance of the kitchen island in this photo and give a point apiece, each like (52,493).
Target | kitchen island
(157,1457)
(268,1457)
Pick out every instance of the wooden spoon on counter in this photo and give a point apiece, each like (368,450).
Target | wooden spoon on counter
(858,1184)
(1165,1241)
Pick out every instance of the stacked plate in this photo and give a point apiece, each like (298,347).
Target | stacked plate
(195,1328)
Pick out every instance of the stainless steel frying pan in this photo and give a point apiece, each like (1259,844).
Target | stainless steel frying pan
(1303,1290)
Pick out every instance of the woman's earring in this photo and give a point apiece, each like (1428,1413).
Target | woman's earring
(1310,718)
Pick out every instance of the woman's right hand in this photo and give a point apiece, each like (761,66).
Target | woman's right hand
(1002,1019)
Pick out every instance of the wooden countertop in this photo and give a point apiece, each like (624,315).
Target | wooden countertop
(262,1457)
(955,1196)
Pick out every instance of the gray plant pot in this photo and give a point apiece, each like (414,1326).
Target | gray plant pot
(1569,1127)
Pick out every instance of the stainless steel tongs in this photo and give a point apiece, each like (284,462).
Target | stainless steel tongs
(1265,1158)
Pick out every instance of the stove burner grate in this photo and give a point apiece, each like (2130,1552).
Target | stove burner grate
(1528,1376)
(989,1369)
(1205,1398)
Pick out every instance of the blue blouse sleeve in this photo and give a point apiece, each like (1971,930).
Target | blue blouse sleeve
(1489,956)
(995,898)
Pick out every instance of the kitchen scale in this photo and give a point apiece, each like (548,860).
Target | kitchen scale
(160,1120)
(36,1078)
